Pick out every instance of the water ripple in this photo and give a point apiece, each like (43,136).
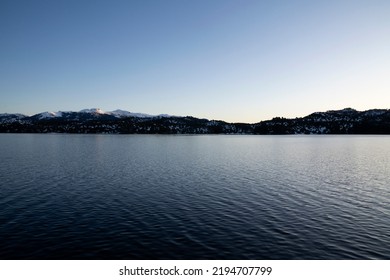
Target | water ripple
(194,197)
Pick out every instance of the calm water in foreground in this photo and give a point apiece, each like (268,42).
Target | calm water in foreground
(194,197)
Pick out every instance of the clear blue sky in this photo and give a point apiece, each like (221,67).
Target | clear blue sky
(244,60)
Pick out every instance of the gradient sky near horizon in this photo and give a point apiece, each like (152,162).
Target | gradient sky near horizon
(238,61)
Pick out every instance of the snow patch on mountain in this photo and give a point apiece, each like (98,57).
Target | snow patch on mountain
(11,118)
(121,113)
(93,111)
(49,115)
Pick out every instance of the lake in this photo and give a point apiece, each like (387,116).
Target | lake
(194,197)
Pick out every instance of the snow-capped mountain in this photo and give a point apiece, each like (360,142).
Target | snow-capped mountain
(121,113)
(83,114)
(93,111)
(47,115)
(11,118)
(92,114)
(6,115)
(346,121)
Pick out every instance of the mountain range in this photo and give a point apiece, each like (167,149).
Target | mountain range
(346,121)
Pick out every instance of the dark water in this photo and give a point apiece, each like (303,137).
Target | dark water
(194,197)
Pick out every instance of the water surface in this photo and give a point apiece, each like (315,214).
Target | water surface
(194,197)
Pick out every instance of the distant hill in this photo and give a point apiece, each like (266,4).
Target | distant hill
(346,121)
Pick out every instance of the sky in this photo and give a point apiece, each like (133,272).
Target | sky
(238,61)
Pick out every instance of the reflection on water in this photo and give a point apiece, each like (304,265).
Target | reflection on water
(194,197)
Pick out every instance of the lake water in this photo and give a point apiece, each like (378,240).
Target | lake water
(194,197)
